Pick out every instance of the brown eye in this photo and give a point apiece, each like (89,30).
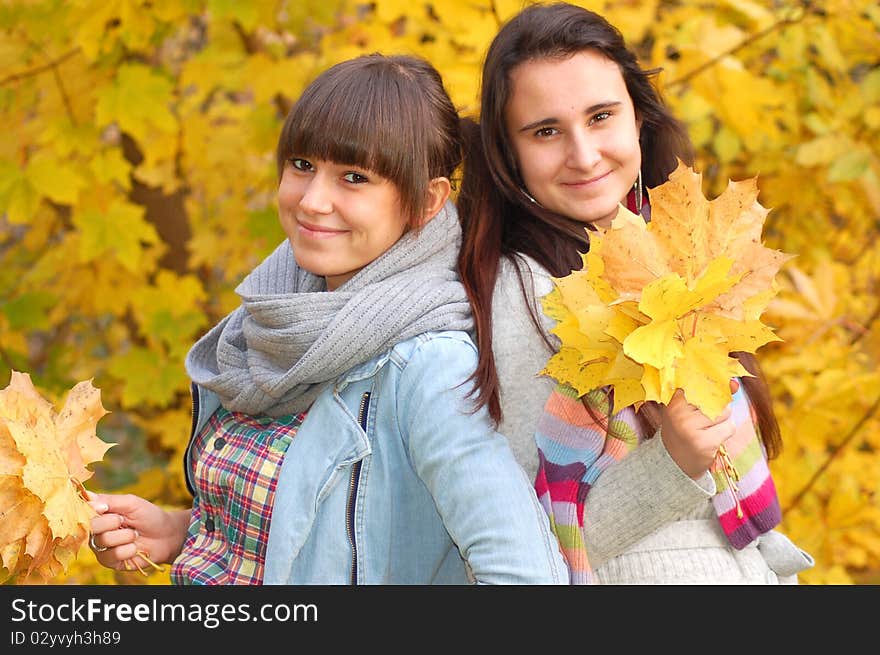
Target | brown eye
(601,116)
(301,164)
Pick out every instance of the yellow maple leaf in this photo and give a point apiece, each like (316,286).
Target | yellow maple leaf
(44,515)
(587,327)
(699,370)
(631,256)
(662,305)
(695,231)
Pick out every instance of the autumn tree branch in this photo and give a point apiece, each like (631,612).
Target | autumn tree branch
(837,449)
(64,97)
(867,326)
(494,9)
(32,72)
(739,46)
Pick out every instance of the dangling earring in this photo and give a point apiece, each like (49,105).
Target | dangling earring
(638,189)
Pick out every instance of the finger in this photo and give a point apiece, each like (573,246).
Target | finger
(107,522)
(125,504)
(116,538)
(123,553)
(731,428)
(698,419)
(725,415)
(96,502)
(734,385)
(679,402)
(720,432)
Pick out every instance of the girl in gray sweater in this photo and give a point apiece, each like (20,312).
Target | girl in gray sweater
(570,128)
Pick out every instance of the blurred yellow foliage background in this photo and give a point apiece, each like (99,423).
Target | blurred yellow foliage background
(137,182)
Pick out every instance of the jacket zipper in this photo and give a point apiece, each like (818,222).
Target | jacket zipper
(352,489)
(194,395)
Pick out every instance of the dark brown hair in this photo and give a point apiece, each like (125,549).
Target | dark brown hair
(499,220)
(389,114)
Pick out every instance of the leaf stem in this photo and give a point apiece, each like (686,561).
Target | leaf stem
(143,554)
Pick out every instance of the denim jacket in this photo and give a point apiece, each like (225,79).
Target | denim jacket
(393,479)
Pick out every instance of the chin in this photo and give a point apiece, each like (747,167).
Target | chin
(592,219)
(577,211)
(311,264)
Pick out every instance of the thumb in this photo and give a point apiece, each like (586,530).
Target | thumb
(124,504)
(734,385)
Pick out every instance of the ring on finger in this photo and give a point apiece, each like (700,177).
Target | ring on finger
(95,547)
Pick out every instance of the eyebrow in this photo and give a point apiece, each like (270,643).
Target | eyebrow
(551,120)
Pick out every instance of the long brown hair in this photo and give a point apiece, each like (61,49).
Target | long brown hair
(387,113)
(500,221)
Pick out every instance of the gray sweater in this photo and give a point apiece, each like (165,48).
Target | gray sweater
(649,523)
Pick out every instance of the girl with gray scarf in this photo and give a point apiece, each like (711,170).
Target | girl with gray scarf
(334,438)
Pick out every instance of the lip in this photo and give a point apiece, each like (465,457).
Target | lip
(317,231)
(585,183)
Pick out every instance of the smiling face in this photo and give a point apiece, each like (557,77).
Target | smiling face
(575,135)
(338,218)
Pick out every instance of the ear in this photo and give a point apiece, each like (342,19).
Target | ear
(437,195)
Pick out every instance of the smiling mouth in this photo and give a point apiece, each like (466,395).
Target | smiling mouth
(316,231)
(585,183)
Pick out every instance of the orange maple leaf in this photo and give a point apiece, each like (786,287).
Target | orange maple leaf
(44,514)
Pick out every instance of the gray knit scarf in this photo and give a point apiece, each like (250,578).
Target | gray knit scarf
(290,337)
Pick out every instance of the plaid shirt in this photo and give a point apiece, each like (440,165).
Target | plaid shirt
(235,460)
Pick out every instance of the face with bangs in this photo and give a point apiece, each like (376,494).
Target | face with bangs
(354,175)
(338,218)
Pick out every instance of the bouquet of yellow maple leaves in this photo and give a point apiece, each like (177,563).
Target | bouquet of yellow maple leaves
(662,305)
(44,512)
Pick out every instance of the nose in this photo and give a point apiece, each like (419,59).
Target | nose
(582,151)
(317,197)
